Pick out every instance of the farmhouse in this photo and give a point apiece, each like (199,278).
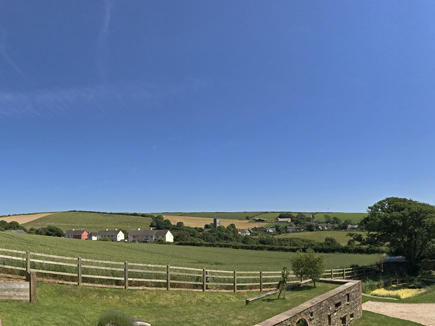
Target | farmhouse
(245,232)
(76,234)
(150,235)
(293,229)
(283,219)
(114,235)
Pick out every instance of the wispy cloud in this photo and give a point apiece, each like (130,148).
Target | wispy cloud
(95,100)
(91,100)
(104,31)
(5,55)
(102,38)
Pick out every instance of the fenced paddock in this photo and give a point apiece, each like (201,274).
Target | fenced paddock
(91,272)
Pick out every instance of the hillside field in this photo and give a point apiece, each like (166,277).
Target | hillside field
(183,256)
(340,236)
(95,221)
(354,217)
(269,216)
(90,221)
(201,221)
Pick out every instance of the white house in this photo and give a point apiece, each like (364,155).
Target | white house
(93,236)
(114,235)
(150,236)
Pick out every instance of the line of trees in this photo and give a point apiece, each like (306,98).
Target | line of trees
(228,237)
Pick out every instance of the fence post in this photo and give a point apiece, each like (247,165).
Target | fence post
(31,277)
(332,274)
(344,273)
(261,281)
(203,279)
(126,275)
(235,281)
(27,261)
(79,271)
(168,277)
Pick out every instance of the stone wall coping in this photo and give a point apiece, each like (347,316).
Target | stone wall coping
(304,306)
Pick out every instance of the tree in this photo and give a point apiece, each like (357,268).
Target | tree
(285,277)
(309,265)
(311,227)
(182,236)
(405,226)
(50,230)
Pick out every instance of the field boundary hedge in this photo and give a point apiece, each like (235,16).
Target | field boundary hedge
(91,272)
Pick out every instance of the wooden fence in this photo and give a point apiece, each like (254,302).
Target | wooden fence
(90,272)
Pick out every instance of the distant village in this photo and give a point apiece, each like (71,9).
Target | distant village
(148,236)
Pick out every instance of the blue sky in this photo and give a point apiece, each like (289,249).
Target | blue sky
(151,106)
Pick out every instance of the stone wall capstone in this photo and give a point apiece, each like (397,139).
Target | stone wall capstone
(340,306)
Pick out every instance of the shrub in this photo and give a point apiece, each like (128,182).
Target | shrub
(115,318)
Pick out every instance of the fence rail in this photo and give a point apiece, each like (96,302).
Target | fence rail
(70,270)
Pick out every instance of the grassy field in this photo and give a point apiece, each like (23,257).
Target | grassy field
(183,256)
(354,217)
(201,221)
(221,215)
(72,305)
(91,221)
(340,236)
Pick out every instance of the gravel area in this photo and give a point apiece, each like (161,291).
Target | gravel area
(423,313)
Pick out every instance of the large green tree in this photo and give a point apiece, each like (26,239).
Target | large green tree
(405,226)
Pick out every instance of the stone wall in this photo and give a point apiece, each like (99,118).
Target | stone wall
(340,306)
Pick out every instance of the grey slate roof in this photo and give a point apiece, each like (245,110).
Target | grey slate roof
(109,233)
(74,232)
(160,233)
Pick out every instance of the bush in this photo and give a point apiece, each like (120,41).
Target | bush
(369,286)
(115,318)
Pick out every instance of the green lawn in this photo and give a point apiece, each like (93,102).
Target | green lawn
(372,319)
(72,305)
(91,221)
(340,236)
(183,256)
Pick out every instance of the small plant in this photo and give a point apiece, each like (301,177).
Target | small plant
(115,318)
(285,276)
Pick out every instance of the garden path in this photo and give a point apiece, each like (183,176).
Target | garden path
(423,313)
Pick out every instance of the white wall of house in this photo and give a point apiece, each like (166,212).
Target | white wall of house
(120,236)
(169,237)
